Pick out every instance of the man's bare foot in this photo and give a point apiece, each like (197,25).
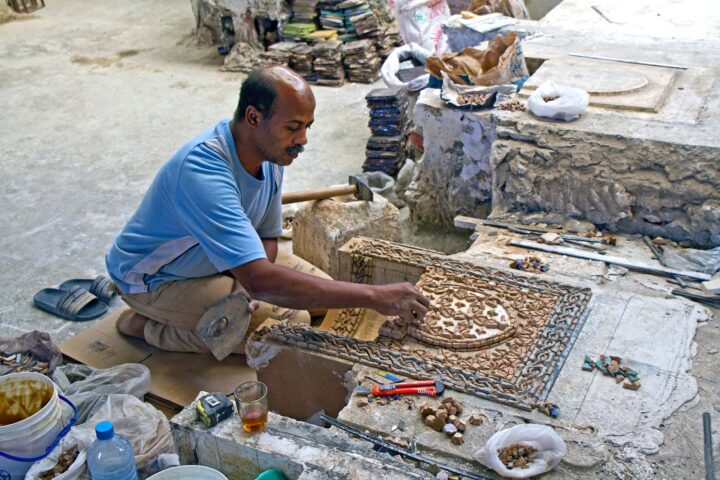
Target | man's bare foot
(132,324)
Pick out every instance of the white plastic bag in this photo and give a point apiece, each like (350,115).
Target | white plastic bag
(568,105)
(146,428)
(550,446)
(391,67)
(420,21)
(88,388)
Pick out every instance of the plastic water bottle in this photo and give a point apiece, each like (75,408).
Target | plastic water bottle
(110,457)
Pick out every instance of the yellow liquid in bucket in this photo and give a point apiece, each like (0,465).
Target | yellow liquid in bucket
(21,399)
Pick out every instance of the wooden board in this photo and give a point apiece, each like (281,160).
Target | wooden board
(176,378)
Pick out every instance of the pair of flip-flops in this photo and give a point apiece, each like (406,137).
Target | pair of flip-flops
(78,299)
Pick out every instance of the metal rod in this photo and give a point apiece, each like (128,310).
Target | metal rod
(624,262)
(707,437)
(394,448)
(621,60)
(597,9)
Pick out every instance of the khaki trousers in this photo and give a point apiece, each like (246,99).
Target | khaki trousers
(175,308)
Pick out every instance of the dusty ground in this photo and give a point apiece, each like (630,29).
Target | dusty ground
(96,95)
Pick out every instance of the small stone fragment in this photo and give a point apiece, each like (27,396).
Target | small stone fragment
(659,241)
(458,439)
(551,238)
(453,410)
(430,420)
(426,410)
(438,424)
(460,425)
(362,402)
(441,413)
(450,429)
(632,384)
(475,419)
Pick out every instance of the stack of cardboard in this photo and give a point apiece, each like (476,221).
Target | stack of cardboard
(304,11)
(321,36)
(278,54)
(301,60)
(387,40)
(332,16)
(328,63)
(297,31)
(385,150)
(361,61)
(363,20)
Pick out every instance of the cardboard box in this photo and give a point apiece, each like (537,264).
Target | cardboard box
(176,377)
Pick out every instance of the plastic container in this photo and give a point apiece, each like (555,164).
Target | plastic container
(110,457)
(272,475)
(31,421)
(189,472)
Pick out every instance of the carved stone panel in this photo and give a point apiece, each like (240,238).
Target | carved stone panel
(491,333)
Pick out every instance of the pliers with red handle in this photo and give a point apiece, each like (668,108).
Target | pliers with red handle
(432,388)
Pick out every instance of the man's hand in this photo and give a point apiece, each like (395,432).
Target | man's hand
(287,288)
(252,304)
(401,299)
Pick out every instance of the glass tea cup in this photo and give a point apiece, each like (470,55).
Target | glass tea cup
(252,406)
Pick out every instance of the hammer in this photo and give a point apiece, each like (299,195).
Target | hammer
(356,186)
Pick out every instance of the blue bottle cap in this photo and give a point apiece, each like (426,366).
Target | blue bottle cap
(104,430)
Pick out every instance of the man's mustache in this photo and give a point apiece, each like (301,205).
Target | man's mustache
(295,149)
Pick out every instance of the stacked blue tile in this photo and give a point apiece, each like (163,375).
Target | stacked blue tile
(385,151)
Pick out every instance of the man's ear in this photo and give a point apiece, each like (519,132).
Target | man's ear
(253,116)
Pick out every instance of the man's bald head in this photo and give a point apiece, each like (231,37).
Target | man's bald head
(262,87)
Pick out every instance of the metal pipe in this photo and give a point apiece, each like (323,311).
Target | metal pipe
(636,62)
(707,436)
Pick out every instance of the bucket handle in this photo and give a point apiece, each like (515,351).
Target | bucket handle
(54,443)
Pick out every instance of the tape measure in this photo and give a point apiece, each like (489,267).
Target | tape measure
(213,408)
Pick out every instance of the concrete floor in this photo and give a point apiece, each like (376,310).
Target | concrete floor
(96,95)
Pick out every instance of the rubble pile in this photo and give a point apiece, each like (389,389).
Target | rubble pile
(517,455)
(445,418)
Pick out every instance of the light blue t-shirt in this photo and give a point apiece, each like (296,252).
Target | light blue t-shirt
(203,214)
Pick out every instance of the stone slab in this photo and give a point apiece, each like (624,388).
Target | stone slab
(300,450)
(614,85)
(653,334)
(321,228)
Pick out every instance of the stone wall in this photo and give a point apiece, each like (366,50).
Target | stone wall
(477,164)
(208,15)
(454,176)
(619,183)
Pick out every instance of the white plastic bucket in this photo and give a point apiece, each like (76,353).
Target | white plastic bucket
(30,420)
(189,472)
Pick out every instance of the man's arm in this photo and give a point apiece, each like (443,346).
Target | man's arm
(290,289)
(271,248)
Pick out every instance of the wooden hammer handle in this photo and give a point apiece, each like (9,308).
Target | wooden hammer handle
(318,194)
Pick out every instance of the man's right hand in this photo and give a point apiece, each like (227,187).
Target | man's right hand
(401,299)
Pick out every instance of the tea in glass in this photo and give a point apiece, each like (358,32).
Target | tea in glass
(251,401)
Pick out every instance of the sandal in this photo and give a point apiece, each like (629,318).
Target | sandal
(101,286)
(76,304)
